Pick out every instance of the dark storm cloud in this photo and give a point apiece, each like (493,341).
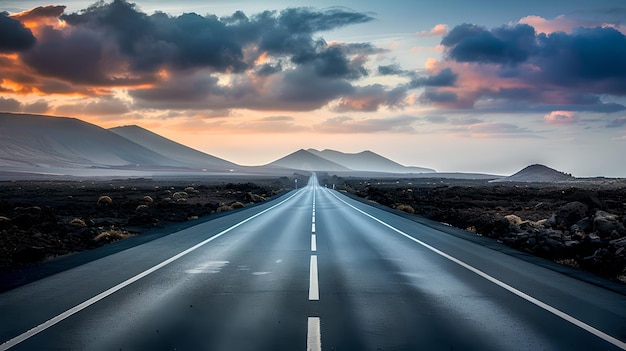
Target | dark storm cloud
(13,35)
(391,70)
(186,41)
(299,89)
(445,78)
(471,43)
(290,31)
(192,41)
(307,88)
(586,56)
(77,57)
(268,69)
(514,63)
(593,56)
(176,58)
(436,96)
(332,62)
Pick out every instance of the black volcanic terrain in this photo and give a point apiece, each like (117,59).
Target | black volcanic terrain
(575,222)
(43,219)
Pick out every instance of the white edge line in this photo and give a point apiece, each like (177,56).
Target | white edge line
(314,291)
(312,227)
(313,243)
(49,323)
(314,335)
(515,291)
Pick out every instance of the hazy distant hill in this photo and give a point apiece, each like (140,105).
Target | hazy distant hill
(172,149)
(306,161)
(367,161)
(43,141)
(537,174)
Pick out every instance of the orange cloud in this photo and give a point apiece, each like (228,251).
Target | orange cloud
(437,31)
(43,16)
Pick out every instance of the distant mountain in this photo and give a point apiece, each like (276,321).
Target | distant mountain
(307,161)
(367,161)
(43,141)
(171,149)
(537,174)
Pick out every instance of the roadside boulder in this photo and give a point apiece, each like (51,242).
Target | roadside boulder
(606,223)
(569,214)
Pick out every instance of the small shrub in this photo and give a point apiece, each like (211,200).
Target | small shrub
(237,205)
(254,197)
(148,199)
(4,219)
(104,200)
(223,208)
(179,195)
(405,208)
(190,189)
(141,208)
(513,219)
(111,235)
(569,262)
(77,222)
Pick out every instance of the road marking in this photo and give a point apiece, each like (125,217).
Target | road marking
(49,323)
(314,291)
(313,243)
(313,218)
(545,306)
(312,227)
(314,335)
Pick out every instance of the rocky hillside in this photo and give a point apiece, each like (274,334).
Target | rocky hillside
(537,174)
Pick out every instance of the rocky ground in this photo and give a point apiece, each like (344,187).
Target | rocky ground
(581,224)
(40,220)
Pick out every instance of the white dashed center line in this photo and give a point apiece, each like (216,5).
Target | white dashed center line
(314,293)
(314,336)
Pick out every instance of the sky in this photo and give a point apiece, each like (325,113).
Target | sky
(457,86)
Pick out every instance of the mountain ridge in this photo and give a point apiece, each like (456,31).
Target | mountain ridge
(171,149)
(307,161)
(368,161)
(44,141)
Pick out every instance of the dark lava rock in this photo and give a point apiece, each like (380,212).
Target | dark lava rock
(569,214)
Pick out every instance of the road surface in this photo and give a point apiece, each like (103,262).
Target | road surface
(312,270)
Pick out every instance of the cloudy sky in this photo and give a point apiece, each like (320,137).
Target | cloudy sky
(480,86)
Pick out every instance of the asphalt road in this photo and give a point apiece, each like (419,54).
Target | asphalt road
(311,270)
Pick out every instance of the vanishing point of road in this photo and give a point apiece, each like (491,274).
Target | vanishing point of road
(311,270)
